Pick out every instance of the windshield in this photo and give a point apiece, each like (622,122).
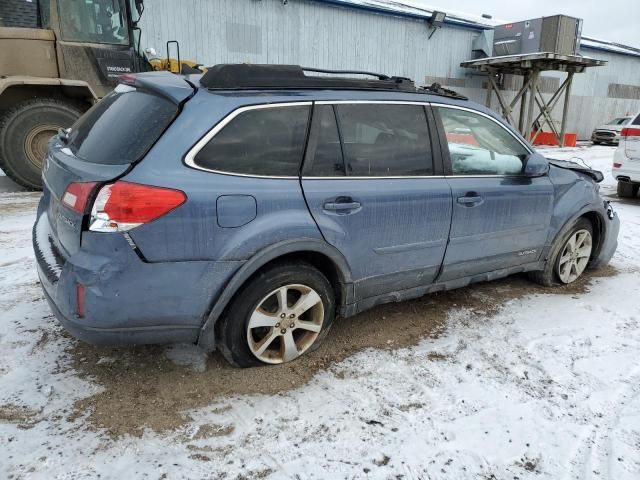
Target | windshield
(619,121)
(94,21)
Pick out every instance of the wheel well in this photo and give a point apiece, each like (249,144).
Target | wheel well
(15,94)
(597,224)
(322,262)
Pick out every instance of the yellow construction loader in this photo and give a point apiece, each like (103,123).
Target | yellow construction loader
(57,58)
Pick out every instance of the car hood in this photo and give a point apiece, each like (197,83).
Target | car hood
(595,175)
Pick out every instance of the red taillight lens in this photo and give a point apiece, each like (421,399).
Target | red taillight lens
(122,205)
(630,132)
(77,196)
(617,165)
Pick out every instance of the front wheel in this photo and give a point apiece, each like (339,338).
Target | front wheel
(279,315)
(569,256)
(25,131)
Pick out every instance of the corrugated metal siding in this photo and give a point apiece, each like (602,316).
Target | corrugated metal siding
(320,35)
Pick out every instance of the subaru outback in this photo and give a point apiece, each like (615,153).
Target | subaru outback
(245,208)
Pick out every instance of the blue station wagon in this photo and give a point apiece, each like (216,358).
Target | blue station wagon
(245,208)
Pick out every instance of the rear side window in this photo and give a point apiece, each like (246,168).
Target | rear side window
(385,140)
(262,141)
(122,127)
(637,120)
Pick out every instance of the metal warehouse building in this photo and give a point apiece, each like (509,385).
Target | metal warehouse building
(378,35)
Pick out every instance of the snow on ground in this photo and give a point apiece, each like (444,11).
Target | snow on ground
(549,387)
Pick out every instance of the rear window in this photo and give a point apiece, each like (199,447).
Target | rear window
(262,141)
(122,127)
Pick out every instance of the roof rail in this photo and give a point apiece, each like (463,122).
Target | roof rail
(245,76)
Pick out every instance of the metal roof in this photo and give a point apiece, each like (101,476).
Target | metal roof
(417,11)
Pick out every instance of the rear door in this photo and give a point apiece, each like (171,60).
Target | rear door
(371,180)
(500,217)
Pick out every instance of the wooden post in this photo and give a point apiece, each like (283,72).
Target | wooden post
(532,98)
(489,87)
(523,105)
(565,110)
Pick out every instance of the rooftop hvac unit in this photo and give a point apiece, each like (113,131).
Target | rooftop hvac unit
(556,34)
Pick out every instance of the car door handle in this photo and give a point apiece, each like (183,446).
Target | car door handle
(470,200)
(341,206)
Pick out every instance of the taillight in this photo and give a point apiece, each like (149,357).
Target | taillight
(617,165)
(122,205)
(77,196)
(630,132)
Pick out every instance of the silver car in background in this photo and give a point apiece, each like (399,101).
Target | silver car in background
(610,132)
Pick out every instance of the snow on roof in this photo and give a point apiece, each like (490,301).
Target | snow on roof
(412,8)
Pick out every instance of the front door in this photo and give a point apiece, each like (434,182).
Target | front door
(369,182)
(500,218)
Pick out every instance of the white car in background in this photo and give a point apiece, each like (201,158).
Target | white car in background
(610,131)
(626,160)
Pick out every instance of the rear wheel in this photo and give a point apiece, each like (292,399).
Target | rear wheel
(25,131)
(569,256)
(627,189)
(281,314)
(596,142)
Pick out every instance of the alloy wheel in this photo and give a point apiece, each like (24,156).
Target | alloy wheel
(575,256)
(285,323)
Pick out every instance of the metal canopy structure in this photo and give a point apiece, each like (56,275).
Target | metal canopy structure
(530,66)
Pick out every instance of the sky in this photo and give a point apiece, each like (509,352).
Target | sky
(612,20)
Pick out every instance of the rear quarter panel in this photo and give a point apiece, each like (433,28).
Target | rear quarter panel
(193,231)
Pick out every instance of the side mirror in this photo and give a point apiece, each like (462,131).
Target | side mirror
(535,165)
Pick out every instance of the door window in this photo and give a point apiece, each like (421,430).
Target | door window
(479,146)
(381,140)
(262,141)
(324,152)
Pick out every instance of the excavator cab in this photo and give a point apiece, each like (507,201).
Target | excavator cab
(57,58)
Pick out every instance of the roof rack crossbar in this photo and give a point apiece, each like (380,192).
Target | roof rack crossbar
(245,76)
(379,76)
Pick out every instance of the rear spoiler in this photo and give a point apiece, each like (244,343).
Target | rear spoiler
(596,175)
(171,86)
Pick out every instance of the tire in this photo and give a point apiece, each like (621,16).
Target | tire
(627,189)
(596,142)
(245,341)
(554,268)
(24,132)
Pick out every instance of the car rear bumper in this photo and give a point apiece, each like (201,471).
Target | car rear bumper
(126,300)
(626,174)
